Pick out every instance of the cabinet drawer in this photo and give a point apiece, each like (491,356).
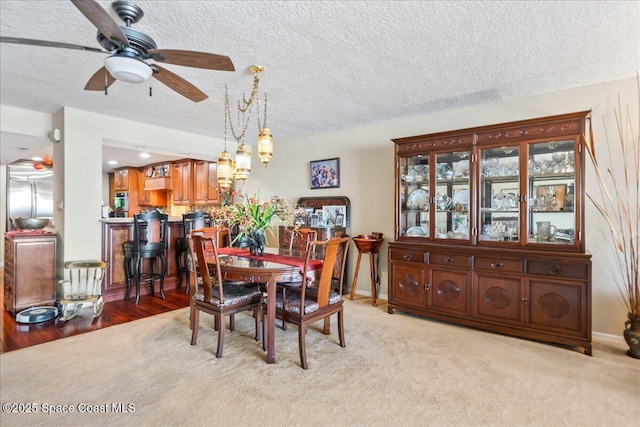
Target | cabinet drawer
(498,265)
(558,269)
(449,260)
(408,255)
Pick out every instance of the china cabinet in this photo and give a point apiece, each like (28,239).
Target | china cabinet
(489,229)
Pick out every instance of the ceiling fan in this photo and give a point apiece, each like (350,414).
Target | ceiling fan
(131,50)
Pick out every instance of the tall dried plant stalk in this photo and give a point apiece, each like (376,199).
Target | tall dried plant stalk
(620,205)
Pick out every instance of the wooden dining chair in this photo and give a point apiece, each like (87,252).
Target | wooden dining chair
(216,297)
(306,305)
(299,244)
(299,239)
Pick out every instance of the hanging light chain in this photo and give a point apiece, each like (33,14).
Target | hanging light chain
(264,122)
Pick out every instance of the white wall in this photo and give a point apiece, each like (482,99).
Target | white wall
(367,171)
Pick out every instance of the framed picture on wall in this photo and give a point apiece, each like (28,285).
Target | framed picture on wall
(325,173)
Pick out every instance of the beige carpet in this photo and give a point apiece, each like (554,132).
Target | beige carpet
(396,370)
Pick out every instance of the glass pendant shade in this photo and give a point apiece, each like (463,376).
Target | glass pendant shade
(243,162)
(225,170)
(265,146)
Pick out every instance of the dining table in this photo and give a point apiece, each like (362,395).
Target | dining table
(239,265)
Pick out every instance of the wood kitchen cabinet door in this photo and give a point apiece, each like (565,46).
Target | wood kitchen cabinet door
(121,180)
(182,183)
(205,176)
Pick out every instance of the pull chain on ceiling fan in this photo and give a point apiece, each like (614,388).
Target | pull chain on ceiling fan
(130,50)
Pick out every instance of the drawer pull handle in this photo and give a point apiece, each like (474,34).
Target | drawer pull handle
(497,264)
(427,287)
(449,260)
(407,257)
(554,269)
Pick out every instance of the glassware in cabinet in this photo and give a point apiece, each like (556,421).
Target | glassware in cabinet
(452,195)
(551,183)
(415,200)
(500,196)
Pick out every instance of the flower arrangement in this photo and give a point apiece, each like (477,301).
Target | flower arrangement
(254,215)
(251,218)
(619,204)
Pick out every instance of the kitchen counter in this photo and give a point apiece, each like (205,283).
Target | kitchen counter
(130,220)
(117,231)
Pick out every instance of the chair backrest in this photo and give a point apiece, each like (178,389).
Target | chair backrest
(299,240)
(82,279)
(335,250)
(192,221)
(197,243)
(221,235)
(150,231)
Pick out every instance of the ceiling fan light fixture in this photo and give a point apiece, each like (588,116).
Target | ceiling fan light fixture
(128,69)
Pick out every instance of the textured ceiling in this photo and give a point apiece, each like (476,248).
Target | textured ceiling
(328,65)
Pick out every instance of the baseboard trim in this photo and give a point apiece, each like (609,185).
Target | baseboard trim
(599,335)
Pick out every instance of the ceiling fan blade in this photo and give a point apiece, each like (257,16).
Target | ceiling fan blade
(179,84)
(101,19)
(189,58)
(101,79)
(46,43)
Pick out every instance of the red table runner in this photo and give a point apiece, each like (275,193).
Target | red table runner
(280,259)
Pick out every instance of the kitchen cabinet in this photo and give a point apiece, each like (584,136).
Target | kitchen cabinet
(121,179)
(182,183)
(29,270)
(489,229)
(205,178)
(157,177)
(127,180)
(150,198)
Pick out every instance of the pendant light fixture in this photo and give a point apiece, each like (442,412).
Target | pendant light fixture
(228,170)
(265,140)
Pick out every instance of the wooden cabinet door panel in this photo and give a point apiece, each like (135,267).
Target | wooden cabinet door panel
(117,235)
(35,279)
(498,298)
(449,291)
(558,306)
(408,286)
(182,184)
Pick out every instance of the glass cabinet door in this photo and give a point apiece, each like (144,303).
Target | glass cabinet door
(452,196)
(415,200)
(552,188)
(500,198)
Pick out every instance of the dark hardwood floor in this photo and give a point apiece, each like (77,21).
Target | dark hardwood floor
(14,335)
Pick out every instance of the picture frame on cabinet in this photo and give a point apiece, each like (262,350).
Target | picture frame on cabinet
(334,215)
(325,173)
(550,197)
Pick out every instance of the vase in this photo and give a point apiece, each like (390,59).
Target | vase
(257,242)
(632,336)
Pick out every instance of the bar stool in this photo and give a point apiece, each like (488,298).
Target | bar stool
(150,231)
(367,244)
(190,221)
